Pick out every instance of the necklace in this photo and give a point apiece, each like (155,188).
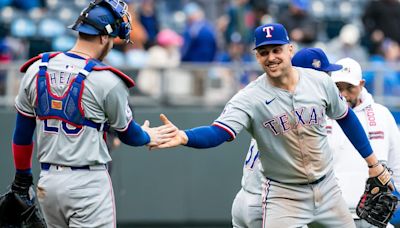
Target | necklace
(83,53)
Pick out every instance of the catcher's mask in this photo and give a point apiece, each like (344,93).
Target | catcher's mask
(105,17)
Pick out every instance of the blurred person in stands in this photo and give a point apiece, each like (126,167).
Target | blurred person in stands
(148,19)
(28,5)
(384,64)
(300,24)
(135,54)
(237,53)
(380,21)
(382,132)
(346,44)
(199,44)
(242,20)
(199,36)
(5,58)
(4,3)
(163,60)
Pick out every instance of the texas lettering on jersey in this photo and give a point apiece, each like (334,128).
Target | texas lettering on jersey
(299,117)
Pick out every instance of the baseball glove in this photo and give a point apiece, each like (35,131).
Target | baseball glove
(18,206)
(378,203)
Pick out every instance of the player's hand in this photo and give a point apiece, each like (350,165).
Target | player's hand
(382,173)
(170,133)
(168,129)
(179,139)
(161,134)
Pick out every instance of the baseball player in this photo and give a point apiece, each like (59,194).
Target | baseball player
(247,205)
(380,127)
(284,110)
(71,99)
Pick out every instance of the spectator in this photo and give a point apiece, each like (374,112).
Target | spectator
(199,36)
(148,19)
(237,53)
(4,3)
(301,25)
(384,65)
(241,19)
(380,20)
(135,53)
(27,5)
(163,58)
(347,45)
(5,58)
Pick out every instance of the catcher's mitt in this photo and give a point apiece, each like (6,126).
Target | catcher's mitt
(378,203)
(18,206)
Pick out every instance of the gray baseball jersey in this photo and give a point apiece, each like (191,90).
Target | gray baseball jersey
(104,99)
(289,127)
(252,175)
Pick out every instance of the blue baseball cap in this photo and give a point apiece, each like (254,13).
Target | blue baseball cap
(314,58)
(270,34)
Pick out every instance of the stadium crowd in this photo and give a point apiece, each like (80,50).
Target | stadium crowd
(170,33)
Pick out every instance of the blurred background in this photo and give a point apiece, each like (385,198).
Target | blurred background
(188,59)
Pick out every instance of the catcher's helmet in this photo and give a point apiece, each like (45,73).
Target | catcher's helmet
(105,17)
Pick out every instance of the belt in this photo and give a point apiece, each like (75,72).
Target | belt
(47,166)
(316,181)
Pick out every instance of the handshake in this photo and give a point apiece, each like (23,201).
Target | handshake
(164,136)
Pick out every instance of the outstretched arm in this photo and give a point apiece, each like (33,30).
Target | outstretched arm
(136,135)
(199,137)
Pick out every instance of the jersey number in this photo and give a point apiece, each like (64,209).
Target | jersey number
(67,128)
(251,157)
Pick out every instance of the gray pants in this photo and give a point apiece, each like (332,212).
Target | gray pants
(317,205)
(76,198)
(247,210)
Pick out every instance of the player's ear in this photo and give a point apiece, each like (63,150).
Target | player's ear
(291,50)
(104,39)
(362,83)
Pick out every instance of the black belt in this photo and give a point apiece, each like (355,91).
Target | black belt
(316,181)
(46,166)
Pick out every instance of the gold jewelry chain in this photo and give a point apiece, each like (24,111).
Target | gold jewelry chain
(82,53)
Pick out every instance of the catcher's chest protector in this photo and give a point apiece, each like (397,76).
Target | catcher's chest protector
(67,107)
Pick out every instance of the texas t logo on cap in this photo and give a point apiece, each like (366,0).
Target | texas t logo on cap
(270,34)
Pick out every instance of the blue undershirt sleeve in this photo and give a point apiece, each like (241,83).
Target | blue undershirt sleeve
(206,137)
(354,131)
(134,135)
(24,130)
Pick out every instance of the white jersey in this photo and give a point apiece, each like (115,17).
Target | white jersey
(104,99)
(384,136)
(290,128)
